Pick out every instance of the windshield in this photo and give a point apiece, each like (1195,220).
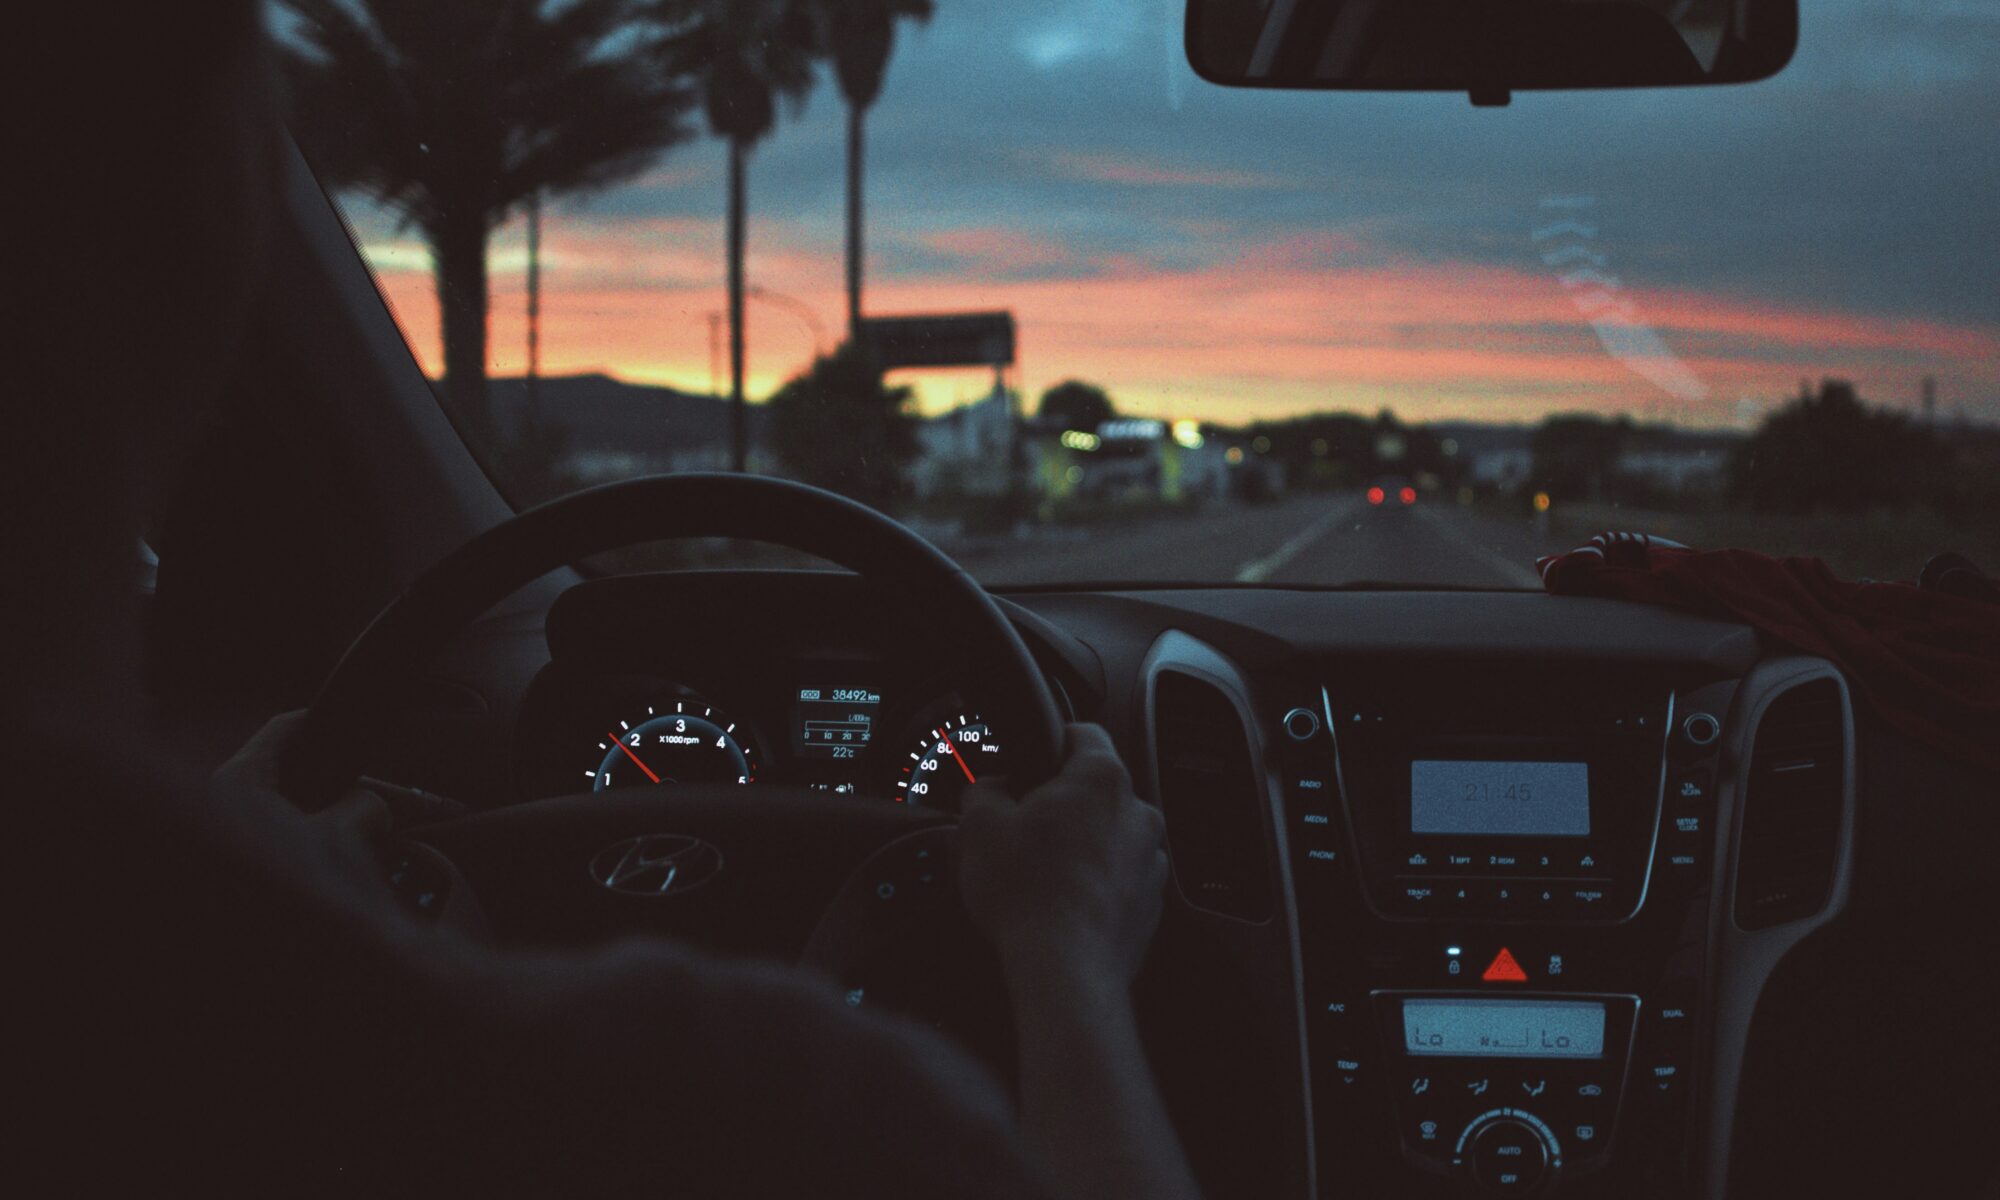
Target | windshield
(1110,323)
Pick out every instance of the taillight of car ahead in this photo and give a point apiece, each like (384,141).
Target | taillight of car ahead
(1408,495)
(1376,495)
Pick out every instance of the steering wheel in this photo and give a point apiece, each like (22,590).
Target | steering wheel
(547,843)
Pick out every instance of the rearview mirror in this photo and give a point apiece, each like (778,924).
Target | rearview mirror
(1488,48)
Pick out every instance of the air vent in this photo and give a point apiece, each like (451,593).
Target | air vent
(1792,808)
(1211,797)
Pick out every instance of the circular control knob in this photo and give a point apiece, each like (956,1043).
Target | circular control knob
(1510,1153)
(1701,728)
(1300,724)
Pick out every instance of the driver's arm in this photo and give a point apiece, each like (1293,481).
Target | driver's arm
(1067,882)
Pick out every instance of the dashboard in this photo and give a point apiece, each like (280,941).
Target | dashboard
(1474,894)
(845,702)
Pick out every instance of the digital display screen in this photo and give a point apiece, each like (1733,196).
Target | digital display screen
(1504,1028)
(834,722)
(1505,799)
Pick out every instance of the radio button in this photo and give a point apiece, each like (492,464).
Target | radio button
(1311,785)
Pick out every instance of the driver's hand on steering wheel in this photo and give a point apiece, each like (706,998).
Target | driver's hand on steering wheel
(1075,870)
(354,831)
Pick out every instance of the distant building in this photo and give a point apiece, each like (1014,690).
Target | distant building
(966,451)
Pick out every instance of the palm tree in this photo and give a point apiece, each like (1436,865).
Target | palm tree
(859,37)
(743,56)
(455,113)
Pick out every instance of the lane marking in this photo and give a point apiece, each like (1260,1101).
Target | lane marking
(1257,570)
(1517,574)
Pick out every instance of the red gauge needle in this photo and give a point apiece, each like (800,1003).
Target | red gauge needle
(615,740)
(955,755)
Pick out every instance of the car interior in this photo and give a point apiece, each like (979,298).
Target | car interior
(1743,925)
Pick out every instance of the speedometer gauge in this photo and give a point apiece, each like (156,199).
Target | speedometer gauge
(954,753)
(684,741)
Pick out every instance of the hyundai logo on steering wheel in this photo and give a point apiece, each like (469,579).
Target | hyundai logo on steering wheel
(661,864)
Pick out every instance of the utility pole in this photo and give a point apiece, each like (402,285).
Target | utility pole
(534,304)
(715,354)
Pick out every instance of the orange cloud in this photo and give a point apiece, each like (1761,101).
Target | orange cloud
(1282,326)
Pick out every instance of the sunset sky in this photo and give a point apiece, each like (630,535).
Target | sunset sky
(1229,255)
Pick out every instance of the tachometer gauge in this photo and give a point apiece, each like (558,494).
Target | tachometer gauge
(683,741)
(953,754)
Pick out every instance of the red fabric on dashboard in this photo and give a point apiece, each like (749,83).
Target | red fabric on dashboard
(1926,660)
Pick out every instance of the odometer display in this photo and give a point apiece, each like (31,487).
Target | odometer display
(683,741)
(953,754)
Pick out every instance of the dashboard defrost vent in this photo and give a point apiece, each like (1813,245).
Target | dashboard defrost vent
(1211,797)
(1792,808)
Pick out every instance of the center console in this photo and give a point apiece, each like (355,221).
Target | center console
(1503,885)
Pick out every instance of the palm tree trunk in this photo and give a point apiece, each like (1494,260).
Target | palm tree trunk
(739,416)
(459,246)
(855,117)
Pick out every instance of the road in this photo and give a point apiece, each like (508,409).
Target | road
(1317,539)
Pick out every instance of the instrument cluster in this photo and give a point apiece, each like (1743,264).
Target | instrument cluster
(826,728)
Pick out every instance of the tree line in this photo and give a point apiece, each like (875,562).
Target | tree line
(456,115)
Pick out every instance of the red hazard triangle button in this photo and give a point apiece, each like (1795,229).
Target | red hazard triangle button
(1504,969)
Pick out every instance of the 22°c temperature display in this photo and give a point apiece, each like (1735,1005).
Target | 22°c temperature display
(834,722)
